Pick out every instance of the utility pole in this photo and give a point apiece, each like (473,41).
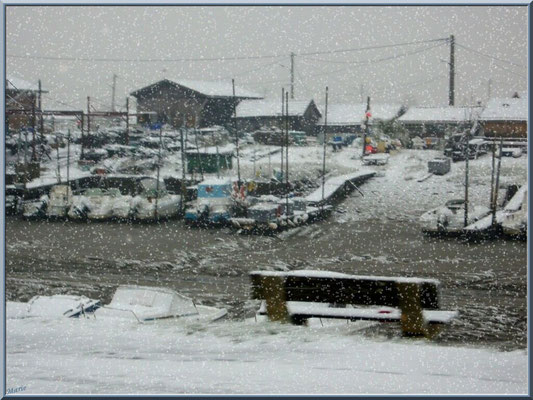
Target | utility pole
(113,92)
(452,71)
(489,88)
(292,76)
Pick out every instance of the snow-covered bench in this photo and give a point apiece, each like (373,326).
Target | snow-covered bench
(296,296)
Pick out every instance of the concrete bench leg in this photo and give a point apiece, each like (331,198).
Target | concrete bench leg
(274,293)
(412,319)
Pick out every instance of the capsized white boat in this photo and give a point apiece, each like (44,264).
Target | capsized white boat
(56,306)
(130,303)
(449,219)
(143,303)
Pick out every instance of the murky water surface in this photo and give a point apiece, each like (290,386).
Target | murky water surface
(486,282)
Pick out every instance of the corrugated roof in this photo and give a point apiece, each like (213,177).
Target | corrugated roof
(268,108)
(354,114)
(440,114)
(500,109)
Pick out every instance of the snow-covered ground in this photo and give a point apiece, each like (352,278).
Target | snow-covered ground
(71,356)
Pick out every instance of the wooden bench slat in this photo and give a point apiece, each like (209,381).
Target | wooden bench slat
(311,310)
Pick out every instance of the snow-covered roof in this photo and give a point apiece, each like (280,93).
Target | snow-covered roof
(440,114)
(500,109)
(354,114)
(210,88)
(16,83)
(269,108)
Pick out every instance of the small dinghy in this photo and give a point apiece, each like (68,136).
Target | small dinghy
(449,219)
(144,303)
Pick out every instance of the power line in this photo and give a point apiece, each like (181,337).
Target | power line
(21,92)
(371,47)
(375,61)
(56,58)
(489,56)
(208,59)
(507,70)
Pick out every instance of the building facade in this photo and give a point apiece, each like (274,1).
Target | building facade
(253,115)
(438,121)
(505,118)
(190,103)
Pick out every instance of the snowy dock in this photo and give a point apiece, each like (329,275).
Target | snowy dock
(334,187)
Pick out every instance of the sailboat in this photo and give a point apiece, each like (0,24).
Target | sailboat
(454,218)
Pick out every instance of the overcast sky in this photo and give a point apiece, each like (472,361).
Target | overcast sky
(414,74)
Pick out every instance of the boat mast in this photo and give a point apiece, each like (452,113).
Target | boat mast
(467,157)
(236,135)
(495,198)
(68,158)
(158,171)
(281,130)
(287,154)
(492,204)
(198,151)
(182,201)
(324,150)
(58,167)
(366,132)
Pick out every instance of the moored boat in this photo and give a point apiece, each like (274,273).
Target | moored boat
(449,219)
